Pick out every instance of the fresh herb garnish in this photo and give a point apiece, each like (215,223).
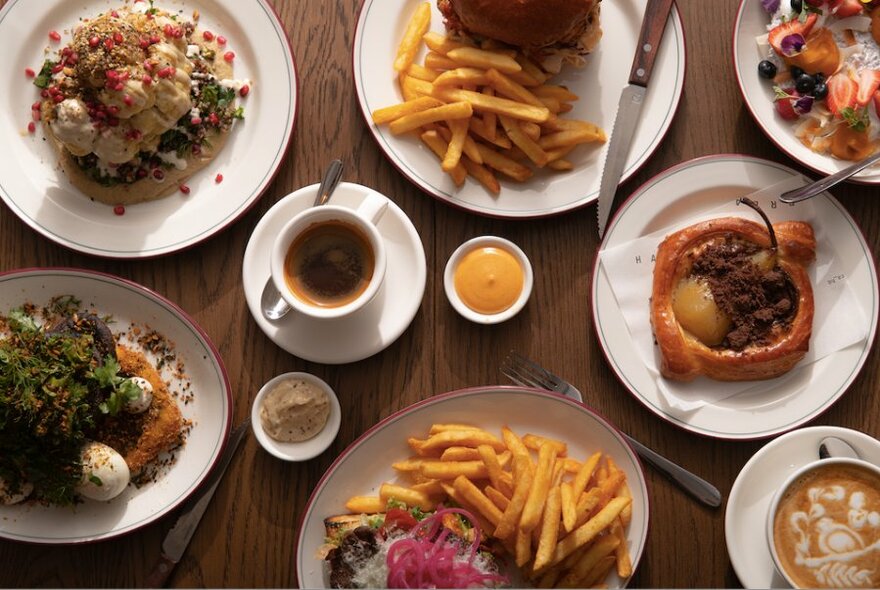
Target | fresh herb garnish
(393,503)
(857,119)
(95,480)
(121,390)
(45,76)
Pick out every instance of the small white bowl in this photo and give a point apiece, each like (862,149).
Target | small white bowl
(459,305)
(307,449)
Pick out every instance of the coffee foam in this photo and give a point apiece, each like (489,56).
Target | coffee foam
(827,528)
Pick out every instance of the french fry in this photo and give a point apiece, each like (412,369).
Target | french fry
(415,30)
(439,146)
(533,130)
(431,487)
(498,47)
(558,154)
(447,470)
(621,552)
(534,442)
(415,87)
(599,571)
(365,504)
(552,104)
(469,147)
(420,72)
(459,128)
(440,43)
(572,465)
(411,464)
(507,526)
(493,104)
(503,164)
(573,136)
(388,114)
(511,89)
(549,529)
(435,428)
(499,499)
(626,514)
(569,512)
(456,110)
(560,93)
(461,76)
(478,128)
(460,454)
(560,165)
(523,547)
(408,496)
(597,551)
(479,58)
(549,578)
(583,476)
(588,531)
(525,143)
(493,466)
(524,79)
(533,70)
(514,443)
(466,438)
(406,90)
(490,120)
(564,107)
(472,494)
(482,175)
(462,501)
(437,61)
(535,502)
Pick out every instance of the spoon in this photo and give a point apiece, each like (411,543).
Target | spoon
(811,190)
(832,446)
(271,302)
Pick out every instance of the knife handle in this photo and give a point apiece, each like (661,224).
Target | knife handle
(161,571)
(656,15)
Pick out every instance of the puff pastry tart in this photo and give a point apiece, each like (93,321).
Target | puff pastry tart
(732,301)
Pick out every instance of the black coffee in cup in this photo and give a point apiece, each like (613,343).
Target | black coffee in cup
(330,264)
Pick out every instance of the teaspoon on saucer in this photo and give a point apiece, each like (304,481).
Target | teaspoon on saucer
(274,306)
(831,446)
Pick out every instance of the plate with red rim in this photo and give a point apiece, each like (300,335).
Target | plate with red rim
(210,408)
(769,407)
(366,463)
(379,30)
(33,186)
(751,22)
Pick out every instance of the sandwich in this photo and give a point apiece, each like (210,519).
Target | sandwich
(552,32)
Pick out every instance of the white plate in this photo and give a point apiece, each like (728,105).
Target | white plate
(685,191)
(379,30)
(374,327)
(36,190)
(751,22)
(210,409)
(366,463)
(745,517)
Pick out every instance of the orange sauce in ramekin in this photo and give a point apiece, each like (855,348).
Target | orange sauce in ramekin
(489,279)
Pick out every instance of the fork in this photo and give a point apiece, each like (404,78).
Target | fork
(527,373)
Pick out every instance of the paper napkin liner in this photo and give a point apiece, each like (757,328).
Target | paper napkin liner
(839,320)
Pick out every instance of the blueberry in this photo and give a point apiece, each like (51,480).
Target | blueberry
(820,77)
(797,5)
(820,91)
(805,83)
(767,69)
(796,72)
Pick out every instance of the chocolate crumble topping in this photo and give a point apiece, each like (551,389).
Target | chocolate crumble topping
(755,299)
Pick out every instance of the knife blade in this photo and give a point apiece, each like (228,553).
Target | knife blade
(179,536)
(630,105)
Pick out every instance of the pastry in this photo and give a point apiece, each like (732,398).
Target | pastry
(732,300)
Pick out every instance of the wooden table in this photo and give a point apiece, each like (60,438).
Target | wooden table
(247,536)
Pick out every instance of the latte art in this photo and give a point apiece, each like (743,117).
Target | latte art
(827,528)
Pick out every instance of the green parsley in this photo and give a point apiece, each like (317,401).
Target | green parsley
(858,120)
(43,79)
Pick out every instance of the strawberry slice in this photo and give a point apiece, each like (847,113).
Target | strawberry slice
(846,8)
(869,82)
(793,27)
(785,108)
(877,102)
(842,92)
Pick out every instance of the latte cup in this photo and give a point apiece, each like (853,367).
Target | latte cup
(329,261)
(823,525)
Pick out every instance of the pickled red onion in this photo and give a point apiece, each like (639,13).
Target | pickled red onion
(427,558)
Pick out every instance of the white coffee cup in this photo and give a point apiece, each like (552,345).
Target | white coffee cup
(837,574)
(363,219)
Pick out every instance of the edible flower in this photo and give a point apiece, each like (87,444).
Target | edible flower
(793,44)
(803,105)
(770,6)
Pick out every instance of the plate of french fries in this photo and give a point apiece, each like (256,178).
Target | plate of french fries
(547,480)
(484,127)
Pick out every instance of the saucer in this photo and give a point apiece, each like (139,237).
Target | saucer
(370,330)
(746,513)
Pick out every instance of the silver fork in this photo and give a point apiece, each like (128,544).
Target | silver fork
(527,373)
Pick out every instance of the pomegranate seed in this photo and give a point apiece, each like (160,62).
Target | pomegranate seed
(113,122)
(117,36)
(184,189)
(144,43)
(113,109)
(214,119)
(114,14)
(112,75)
(147,79)
(168,30)
(35,115)
(154,39)
(148,65)
(221,40)
(196,121)
(55,36)
(196,149)
(66,51)
(57,68)
(208,36)
(158,174)
(245,90)
(58,98)
(94,41)
(73,58)
(32,127)
(29,73)
(229,56)
(109,44)
(128,100)
(119,209)
(218,179)
(125,75)
(119,87)
(36,106)
(141,173)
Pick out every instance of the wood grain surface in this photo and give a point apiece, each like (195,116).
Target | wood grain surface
(248,534)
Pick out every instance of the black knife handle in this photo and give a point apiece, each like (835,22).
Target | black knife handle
(656,15)
(161,571)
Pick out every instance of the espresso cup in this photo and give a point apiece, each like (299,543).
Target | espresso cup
(329,261)
(823,525)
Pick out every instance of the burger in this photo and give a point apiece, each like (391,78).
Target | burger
(552,32)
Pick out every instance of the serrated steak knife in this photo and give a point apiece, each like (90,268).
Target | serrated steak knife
(630,106)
